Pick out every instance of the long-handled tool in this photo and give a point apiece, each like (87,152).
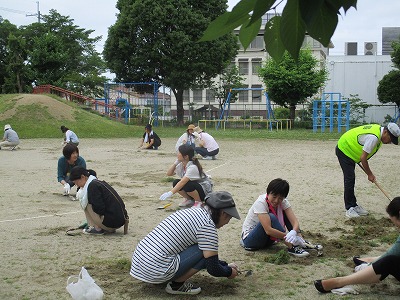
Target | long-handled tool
(377,184)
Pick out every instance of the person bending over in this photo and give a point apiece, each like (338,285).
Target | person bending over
(185,243)
(104,208)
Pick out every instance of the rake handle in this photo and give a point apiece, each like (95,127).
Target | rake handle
(377,184)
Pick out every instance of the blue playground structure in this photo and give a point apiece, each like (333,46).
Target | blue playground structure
(123,99)
(331,111)
(227,106)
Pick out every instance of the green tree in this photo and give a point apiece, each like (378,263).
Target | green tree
(156,41)
(230,78)
(290,82)
(317,18)
(6,29)
(389,86)
(357,108)
(16,69)
(62,54)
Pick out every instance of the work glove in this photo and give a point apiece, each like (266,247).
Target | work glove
(67,189)
(298,241)
(177,162)
(166,195)
(291,236)
(360,267)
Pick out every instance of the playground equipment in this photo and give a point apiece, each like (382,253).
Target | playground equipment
(129,97)
(224,115)
(331,110)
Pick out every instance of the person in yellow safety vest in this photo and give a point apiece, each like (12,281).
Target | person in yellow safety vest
(357,146)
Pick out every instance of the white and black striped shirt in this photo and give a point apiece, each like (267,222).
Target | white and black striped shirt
(156,257)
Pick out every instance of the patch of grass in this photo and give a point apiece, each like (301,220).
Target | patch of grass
(35,121)
(167,179)
(280,258)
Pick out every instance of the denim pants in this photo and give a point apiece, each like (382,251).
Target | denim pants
(204,152)
(348,166)
(258,238)
(190,258)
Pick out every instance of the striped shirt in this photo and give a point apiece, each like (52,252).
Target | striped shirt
(156,257)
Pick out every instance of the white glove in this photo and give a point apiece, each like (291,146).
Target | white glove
(291,236)
(346,290)
(166,195)
(67,189)
(299,241)
(360,267)
(79,194)
(177,162)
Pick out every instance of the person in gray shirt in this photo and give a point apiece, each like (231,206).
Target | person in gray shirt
(10,138)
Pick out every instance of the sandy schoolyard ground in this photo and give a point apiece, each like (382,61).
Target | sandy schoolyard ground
(37,256)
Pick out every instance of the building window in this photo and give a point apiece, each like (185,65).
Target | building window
(243,67)
(186,96)
(197,96)
(210,96)
(256,95)
(244,95)
(257,43)
(255,65)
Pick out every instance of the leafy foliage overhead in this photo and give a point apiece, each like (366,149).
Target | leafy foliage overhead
(318,18)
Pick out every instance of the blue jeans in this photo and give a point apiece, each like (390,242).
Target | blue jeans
(258,238)
(204,152)
(191,258)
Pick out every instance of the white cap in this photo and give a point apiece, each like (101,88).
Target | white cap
(7,126)
(394,132)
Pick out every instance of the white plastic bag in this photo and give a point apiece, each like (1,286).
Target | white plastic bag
(83,287)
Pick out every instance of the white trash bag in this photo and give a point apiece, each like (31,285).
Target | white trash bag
(83,287)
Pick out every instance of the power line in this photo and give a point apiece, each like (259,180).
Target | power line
(14,11)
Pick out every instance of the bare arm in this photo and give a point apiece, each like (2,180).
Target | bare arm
(265,221)
(365,165)
(292,218)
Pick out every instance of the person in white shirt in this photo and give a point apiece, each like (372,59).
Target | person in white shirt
(70,136)
(189,137)
(271,219)
(208,146)
(193,184)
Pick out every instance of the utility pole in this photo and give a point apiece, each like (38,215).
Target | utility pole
(37,14)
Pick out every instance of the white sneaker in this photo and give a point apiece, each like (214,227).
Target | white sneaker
(197,204)
(360,210)
(187,203)
(352,213)
(207,157)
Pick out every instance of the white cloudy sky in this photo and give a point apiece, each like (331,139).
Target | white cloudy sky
(361,25)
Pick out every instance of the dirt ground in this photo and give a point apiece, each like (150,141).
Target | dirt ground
(37,256)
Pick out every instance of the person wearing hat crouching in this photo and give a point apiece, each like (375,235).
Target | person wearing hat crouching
(10,138)
(189,137)
(357,146)
(208,147)
(185,243)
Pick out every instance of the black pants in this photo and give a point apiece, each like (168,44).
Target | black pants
(348,167)
(387,265)
(191,186)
